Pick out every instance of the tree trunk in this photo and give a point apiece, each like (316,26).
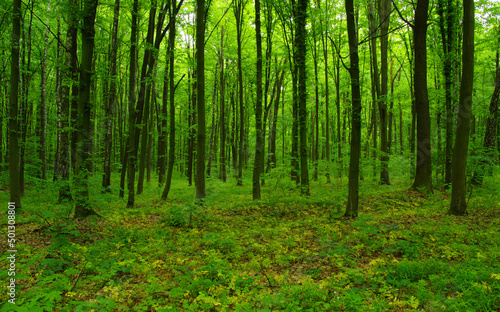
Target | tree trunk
(352,199)
(43,109)
(384,13)
(108,136)
(15,191)
(222,115)
(171,151)
(300,62)
(259,141)
(200,69)
(131,106)
(458,205)
(82,204)
(238,13)
(490,134)
(423,174)
(315,154)
(324,35)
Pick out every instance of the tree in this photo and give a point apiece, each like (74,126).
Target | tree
(447,26)
(82,205)
(300,64)
(239,7)
(259,140)
(108,136)
(384,11)
(200,86)
(352,199)
(423,175)
(14,170)
(490,142)
(458,205)
(222,114)
(171,48)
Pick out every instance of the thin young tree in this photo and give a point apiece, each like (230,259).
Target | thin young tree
(171,59)
(110,107)
(239,7)
(200,86)
(458,204)
(258,167)
(352,199)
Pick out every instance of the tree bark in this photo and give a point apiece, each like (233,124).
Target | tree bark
(423,174)
(110,108)
(171,151)
(222,115)
(200,70)
(14,170)
(259,140)
(300,62)
(458,205)
(352,199)
(82,204)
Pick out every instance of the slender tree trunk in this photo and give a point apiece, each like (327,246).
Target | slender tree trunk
(458,205)
(43,109)
(108,136)
(171,151)
(238,13)
(259,141)
(315,154)
(213,127)
(352,199)
(14,170)
(162,126)
(423,175)
(384,13)
(200,69)
(300,62)
(131,104)
(57,161)
(82,207)
(324,35)
(222,115)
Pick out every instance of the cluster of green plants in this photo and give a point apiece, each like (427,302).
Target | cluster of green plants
(282,253)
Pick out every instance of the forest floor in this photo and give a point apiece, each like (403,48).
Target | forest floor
(282,253)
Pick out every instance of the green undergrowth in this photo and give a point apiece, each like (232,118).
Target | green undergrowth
(282,253)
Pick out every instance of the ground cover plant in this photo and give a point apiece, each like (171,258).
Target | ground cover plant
(285,252)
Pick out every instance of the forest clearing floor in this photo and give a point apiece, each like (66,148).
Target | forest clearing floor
(282,253)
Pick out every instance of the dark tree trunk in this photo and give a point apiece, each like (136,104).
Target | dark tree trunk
(384,13)
(352,199)
(423,174)
(259,141)
(82,204)
(458,205)
(300,62)
(200,69)
(14,170)
(108,135)
(447,25)
(129,154)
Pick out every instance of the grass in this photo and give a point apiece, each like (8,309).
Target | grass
(282,253)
